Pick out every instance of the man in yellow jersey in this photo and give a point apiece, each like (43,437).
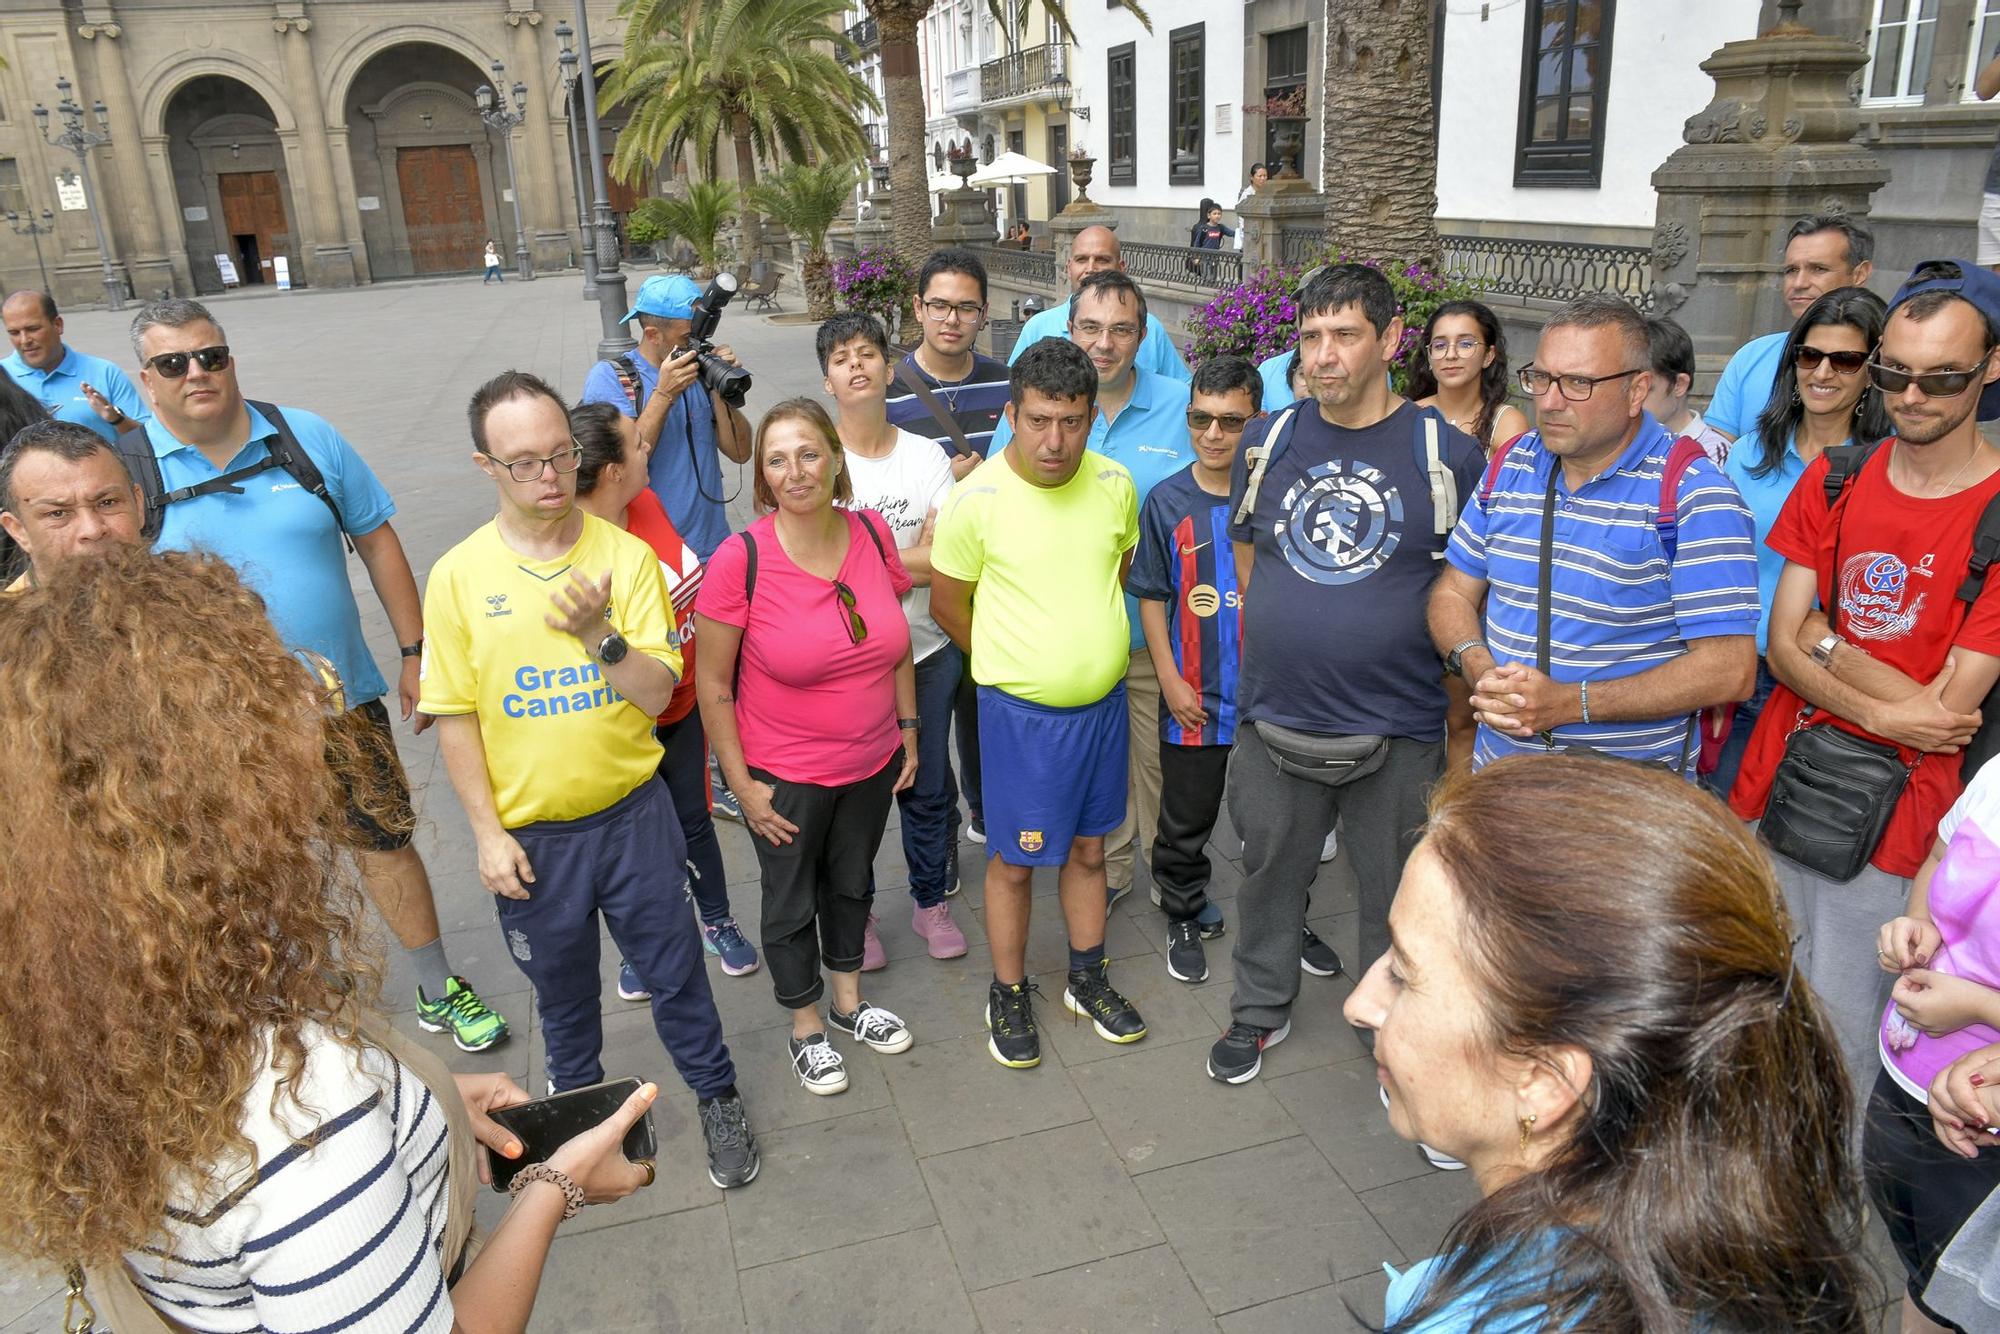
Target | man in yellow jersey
(549,649)
(1042,533)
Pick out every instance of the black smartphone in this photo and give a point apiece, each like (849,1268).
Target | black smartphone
(546,1124)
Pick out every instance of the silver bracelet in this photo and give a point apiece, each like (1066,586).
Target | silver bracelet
(1583,693)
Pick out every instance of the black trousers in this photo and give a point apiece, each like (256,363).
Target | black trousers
(1923,1191)
(817,888)
(1191,783)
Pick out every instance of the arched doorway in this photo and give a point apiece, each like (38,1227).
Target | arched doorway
(231,183)
(427,172)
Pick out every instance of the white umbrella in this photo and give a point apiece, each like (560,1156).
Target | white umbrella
(1010,169)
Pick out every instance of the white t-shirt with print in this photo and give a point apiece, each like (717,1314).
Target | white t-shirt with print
(904,486)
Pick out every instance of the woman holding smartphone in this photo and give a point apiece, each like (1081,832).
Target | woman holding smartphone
(226,1131)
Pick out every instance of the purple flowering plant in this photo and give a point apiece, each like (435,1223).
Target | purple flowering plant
(875,280)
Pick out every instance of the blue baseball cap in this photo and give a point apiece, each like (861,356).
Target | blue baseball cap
(667,296)
(1971,282)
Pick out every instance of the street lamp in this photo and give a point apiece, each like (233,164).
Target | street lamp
(495,112)
(1066,95)
(567,64)
(29,227)
(79,139)
(617,339)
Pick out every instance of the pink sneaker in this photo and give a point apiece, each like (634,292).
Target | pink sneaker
(872,957)
(936,927)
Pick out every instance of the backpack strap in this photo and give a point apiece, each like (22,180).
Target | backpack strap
(1493,467)
(1667,519)
(135,448)
(1259,457)
(874,537)
(1843,464)
(749,568)
(290,455)
(1444,486)
(1985,550)
(628,378)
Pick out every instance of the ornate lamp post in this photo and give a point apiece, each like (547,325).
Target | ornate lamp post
(617,339)
(29,227)
(493,109)
(79,139)
(567,63)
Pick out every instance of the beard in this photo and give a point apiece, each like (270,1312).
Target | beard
(1928,429)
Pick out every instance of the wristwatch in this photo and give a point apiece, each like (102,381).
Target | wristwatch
(415,650)
(1454,661)
(611,649)
(907,724)
(1822,652)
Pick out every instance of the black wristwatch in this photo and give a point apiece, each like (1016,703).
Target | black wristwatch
(1454,661)
(611,649)
(907,724)
(415,650)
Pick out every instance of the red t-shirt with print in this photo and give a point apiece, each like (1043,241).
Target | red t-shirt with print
(1900,562)
(647,519)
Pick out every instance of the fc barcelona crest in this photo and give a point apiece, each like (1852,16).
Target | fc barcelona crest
(1031,840)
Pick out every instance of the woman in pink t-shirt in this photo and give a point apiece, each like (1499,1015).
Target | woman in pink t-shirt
(1945,1006)
(808,694)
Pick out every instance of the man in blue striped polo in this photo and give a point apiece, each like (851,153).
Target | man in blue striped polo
(1582,619)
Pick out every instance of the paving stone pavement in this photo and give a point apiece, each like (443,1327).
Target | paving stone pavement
(1114,1188)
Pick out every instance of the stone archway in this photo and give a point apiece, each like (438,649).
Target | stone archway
(231,183)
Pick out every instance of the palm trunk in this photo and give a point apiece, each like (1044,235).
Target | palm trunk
(1379,131)
(816,277)
(903,101)
(746,176)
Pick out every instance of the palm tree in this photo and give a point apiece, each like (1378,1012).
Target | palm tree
(766,74)
(697,219)
(1380,130)
(805,200)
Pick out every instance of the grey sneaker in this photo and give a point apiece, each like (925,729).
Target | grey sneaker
(732,1148)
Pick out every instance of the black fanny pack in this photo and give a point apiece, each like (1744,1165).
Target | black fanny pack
(1831,798)
(1331,761)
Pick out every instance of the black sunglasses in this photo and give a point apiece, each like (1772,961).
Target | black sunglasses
(1933,384)
(1807,358)
(857,629)
(174,365)
(1232,423)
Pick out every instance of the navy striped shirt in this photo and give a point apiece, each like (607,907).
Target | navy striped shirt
(1618,606)
(974,403)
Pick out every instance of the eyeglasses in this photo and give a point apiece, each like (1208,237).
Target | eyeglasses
(1575,388)
(174,365)
(1200,421)
(944,310)
(1808,358)
(1462,347)
(1090,331)
(1933,384)
(857,629)
(527,470)
(326,693)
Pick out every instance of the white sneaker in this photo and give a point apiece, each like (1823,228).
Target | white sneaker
(818,1065)
(1331,846)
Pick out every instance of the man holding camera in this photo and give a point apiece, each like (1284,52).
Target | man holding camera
(683,423)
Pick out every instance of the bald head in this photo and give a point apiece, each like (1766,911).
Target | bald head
(1094,250)
(34,328)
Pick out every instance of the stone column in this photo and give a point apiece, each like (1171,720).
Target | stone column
(964,218)
(1080,213)
(1775,145)
(145,238)
(332,262)
(537,158)
(1278,208)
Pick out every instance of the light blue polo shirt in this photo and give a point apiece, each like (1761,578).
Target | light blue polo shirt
(689,488)
(1278,393)
(61,390)
(1765,496)
(1150,437)
(1157,352)
(1745,386)
(1618,606)
(281,538)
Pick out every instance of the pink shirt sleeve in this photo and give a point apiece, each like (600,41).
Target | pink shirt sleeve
(721,597)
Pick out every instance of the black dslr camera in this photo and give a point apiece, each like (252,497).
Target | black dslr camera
(717,375)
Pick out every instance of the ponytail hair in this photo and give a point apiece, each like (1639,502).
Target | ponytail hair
(1704,1180)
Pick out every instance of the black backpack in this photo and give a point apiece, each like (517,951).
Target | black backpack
(135,447)
(1843,464)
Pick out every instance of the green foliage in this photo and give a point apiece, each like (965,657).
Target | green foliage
(698,219)
(805,198)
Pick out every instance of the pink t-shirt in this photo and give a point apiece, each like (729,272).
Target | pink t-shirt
(1966,908)
(812,706)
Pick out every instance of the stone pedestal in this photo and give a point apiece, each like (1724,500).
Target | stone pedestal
(1775,145)
(965,218)
(1266,216)
(875,229)
(1079,214)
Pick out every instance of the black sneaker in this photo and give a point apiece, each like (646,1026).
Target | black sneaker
(1010,1015)
(1091,996)
(951,885)
(1317,957)
(1186,961)
(818,1065)
(1239,1053)
(732,1149)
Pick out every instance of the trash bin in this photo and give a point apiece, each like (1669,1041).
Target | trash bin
(1001,333)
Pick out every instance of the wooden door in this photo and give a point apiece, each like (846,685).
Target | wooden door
(442,207)
(253,216)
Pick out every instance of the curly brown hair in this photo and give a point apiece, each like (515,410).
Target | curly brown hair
(177,905)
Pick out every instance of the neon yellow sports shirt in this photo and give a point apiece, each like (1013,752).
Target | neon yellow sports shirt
(1048,617)
(560,742)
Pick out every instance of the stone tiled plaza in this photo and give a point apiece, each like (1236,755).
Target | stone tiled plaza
(1114,1188)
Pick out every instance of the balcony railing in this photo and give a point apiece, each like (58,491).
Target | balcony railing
(1034,268)
(1182,264)
(1021,73)
(1552,271)
(866,36)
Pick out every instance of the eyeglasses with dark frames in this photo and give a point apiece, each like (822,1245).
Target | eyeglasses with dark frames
(1807,358)
(527,470)
(857,629)
(173,365)
(1933,384)
(944,310)
(1575,388)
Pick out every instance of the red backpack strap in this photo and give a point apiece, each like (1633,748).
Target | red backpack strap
(1493,467)
(1680,457)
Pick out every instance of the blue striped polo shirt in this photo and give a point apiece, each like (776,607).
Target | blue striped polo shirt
(1617,606)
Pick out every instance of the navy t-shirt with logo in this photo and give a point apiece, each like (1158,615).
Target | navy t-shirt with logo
(1334,634)
(1185,560)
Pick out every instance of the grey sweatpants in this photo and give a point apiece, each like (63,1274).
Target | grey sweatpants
(1284,822)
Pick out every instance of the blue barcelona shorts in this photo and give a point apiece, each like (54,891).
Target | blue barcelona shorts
(1050,775)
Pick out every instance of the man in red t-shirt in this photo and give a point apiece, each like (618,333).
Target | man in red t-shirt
(1903,660)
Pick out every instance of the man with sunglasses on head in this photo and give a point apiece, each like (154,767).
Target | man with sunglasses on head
(287,543)
(1141,422)
(1912,647)
(1585,612)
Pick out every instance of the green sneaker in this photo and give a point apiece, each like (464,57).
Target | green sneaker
(473,1027)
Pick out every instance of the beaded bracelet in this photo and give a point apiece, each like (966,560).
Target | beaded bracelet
(572,1193)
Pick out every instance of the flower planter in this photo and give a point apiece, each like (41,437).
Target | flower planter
(1288,138)
(1080,171)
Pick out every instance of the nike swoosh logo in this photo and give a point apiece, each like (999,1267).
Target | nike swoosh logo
(1189,551)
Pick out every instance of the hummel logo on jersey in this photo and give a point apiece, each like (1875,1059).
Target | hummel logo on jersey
(498,603)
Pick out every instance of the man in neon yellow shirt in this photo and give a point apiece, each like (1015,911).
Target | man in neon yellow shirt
(1043,533)
(549,649)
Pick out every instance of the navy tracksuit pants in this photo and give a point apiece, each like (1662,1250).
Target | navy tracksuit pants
(628,862)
